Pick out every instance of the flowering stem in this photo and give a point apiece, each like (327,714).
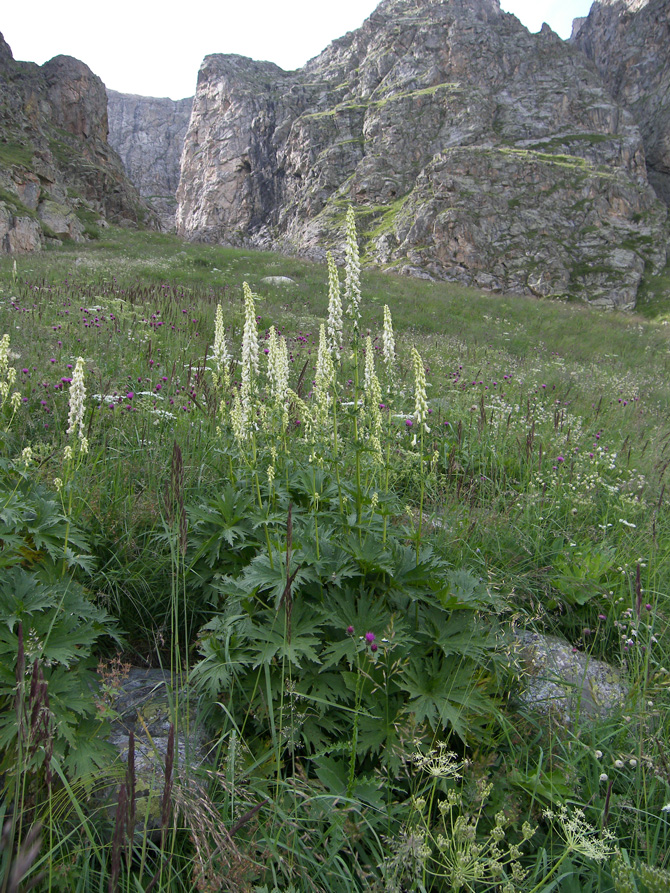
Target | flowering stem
(354,734)
(356,443)
(544,880)
(418,539)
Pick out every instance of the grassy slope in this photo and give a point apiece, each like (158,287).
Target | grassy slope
(514,383)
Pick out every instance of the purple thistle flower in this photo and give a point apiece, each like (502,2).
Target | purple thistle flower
(350,630)
(369,638)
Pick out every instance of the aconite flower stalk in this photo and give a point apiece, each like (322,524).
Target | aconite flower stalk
(373,399)
(388,349)
(352,271)
(278,373)
(75,421)
(335,324)
(249,365)
(420,416)
(220,355)
(352,295)
(7,379)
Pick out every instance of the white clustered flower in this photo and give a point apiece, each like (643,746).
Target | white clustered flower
(388,345)
(7,373)
(75,421)
(27,456)
(580,836)
(420,400)
(277,367)
(220,353)
(325,371)
(352,270)
(249,355)
(335,325)
(440,763)
(373,397)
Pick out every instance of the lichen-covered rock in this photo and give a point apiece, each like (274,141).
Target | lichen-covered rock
(629,41)
(565,683)
(60,220)
(54,152)
(146,704)
(471,150)
(148,133)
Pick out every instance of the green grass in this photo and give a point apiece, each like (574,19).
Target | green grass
(536,499)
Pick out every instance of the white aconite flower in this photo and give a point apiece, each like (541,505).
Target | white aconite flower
(420,400)
(373,397)
(388,345)
(4,355)
(352,270)
(220,353)
(335,338)
(75,421)
(249,357)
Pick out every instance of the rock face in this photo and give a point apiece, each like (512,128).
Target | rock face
(470,149)
(629,41)
(58,175)
(148,134)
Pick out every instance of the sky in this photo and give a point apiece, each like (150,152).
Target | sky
(142,46)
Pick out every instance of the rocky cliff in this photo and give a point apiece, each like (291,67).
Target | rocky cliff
(148,134)
(471,150)
(58,175)
(629,41)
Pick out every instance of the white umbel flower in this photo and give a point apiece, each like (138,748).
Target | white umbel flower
(75,420)
(335,325)
(352,270)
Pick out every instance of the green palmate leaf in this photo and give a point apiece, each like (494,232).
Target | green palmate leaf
(357,608)
(331,564)
(411,572)
(463,589)
(273,640)
(222,523)
(333,773)
(224,645)
(460,634)
(378,734)
(21,596)
(269,576)
(371,555)
(444,693)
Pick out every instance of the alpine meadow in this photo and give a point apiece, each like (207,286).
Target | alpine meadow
(326,509)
